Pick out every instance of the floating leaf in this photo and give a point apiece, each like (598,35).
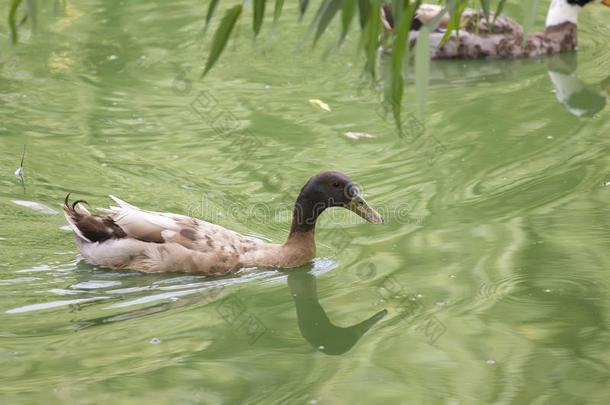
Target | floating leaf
(356,135)
(259,13)
(422,66)
(208,17)
(221,36)
(320,104)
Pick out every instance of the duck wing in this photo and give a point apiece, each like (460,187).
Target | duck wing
(160,227)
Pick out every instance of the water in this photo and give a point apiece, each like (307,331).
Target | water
(488,283)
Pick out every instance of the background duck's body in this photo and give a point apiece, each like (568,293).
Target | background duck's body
(505,40)
(129,237)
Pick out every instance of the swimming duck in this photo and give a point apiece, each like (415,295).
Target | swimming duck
(506,37)
(128,237)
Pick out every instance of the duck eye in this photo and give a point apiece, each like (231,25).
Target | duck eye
(336,184)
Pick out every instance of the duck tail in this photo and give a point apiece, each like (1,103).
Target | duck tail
(74,214)
(90,227)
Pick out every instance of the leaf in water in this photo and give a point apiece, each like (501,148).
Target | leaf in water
(11,19)
(36,206)
(330,9)
(532,6)
(259,13)
(364,9)
(320,104)
(348,9)
(208,17)
(276,14)
(221,36)
(356,135)
(422,67)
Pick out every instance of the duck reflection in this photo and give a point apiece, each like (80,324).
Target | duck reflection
(578,98)
(315,326)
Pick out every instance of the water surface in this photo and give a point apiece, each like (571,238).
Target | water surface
(487,284)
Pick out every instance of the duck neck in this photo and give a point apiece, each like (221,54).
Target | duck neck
(304,217)
(561,12)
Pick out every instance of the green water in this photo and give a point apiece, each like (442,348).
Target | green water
(487,284)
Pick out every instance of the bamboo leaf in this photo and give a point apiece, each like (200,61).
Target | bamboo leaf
(259,13)
(327,14)
(347,15)
(498,11)
(485,7)
(422,67)
(302,8)
(276,14)
(529,22)
(400,47)
(455,11)
(364,9)
(11,19)
(208,17)
(371,38)
(221,36)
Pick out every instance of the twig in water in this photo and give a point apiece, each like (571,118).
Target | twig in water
(19,172)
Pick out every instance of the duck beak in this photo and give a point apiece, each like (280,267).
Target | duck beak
(606,3)
(360,207)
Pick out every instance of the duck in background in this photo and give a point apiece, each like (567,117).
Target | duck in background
(504,40)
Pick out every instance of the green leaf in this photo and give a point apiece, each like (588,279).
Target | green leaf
(276,14)
(208,17)
(259,13)
(371,38)
(400,48)
(364,9)
(498,11)
(11,19)
(330,9)
(455,11)
(485,7)
(348,9)
(221,36)
(529,22)
(302,8)
(422,66)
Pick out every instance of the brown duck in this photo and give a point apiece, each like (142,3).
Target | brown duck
(129,237)
(505,40)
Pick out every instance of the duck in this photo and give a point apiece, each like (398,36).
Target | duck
(504,40)
(127,237)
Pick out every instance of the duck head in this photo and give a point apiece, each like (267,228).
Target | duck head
(327,190)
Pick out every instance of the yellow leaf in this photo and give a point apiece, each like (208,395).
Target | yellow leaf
(320,104)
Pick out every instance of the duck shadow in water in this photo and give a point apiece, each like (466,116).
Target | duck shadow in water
(314,324)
